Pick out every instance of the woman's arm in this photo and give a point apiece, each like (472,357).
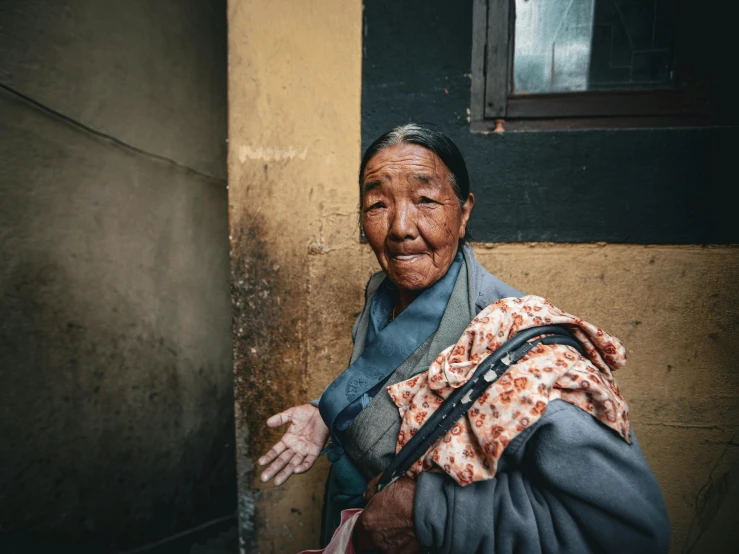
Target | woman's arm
(569,484)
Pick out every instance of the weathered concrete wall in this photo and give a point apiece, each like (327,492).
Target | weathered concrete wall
(294,141)
(298,272)
(149,73)
(116,411)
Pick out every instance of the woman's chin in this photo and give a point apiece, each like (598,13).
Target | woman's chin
(413,279)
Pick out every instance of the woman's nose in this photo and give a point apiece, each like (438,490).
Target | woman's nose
(403,222)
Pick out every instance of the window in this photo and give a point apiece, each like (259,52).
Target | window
(552,64)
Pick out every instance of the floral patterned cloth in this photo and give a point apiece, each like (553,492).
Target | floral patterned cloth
(471,449)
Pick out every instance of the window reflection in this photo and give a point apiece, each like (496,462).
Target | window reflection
(578,45)
(552,45)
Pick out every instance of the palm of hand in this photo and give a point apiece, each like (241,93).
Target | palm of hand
(306,434)
(300,445)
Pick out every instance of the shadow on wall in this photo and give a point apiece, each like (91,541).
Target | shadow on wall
(100,447)
(116,402)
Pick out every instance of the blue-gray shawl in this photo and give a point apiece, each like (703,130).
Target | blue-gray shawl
(369,441)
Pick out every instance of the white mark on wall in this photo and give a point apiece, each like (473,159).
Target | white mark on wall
(247,511)
(271,154)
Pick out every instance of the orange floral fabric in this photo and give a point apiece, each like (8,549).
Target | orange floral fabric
(471,449)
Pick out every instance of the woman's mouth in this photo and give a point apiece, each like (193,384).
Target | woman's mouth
(406,258)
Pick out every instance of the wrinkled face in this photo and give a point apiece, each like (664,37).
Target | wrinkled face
(411,216)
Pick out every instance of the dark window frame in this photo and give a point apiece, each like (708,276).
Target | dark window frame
(494,106)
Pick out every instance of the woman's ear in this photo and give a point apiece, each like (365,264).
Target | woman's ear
(466,213)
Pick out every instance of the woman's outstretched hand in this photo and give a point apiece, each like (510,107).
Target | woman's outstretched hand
(300,445)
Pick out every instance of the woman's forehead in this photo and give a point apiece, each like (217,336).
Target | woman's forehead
(409,159)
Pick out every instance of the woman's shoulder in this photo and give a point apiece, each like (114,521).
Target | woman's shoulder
(486,287)
(566,424)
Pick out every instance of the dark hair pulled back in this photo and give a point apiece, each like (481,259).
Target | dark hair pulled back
(432,139)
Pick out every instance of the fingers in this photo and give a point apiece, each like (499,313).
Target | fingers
(275,451)
(289,462)
(280,419)
(277,465)
(289,469)
(307,463)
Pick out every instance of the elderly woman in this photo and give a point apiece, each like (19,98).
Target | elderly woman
(568,483)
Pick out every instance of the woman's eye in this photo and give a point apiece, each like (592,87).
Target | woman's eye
(375,206)
(426,200)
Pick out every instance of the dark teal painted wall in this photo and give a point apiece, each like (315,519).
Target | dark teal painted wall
(658,186)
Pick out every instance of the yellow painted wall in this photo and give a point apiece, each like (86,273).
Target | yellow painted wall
(298,273)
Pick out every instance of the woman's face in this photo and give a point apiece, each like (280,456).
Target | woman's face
(411,216)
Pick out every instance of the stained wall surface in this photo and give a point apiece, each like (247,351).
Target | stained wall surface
(299,270)
(116,410)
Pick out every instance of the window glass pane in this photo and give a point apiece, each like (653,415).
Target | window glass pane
(552,45)
(632,44)
(577,45)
